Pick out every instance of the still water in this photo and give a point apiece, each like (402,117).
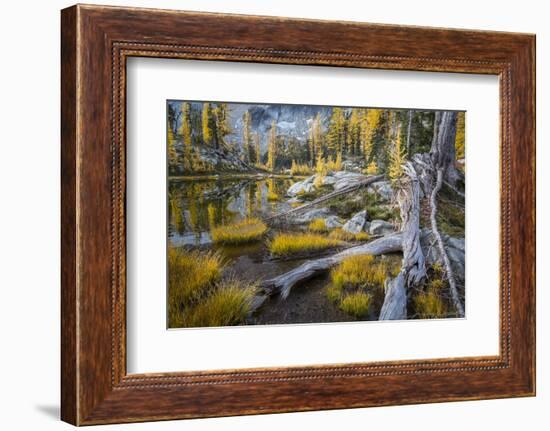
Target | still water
(195,206)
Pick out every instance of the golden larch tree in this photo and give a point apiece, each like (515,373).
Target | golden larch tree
(460,139)
(272,147)
(369,123)
(206,126)
(397,157)
(185,132)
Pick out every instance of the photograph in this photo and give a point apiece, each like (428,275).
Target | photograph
(275,215)
(288,214)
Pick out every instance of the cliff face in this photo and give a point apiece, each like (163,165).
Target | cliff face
(291,120)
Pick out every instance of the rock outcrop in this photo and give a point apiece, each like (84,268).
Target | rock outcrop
(358,223)
(380,227)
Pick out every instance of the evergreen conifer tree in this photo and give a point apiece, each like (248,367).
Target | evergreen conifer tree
(185,132)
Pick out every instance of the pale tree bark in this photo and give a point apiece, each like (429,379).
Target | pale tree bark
(413,268)
(409,132)
(425,174)
(444,256)
(443,153)
(285,282)
(351,188)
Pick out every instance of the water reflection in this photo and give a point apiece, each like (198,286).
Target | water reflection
(195,206)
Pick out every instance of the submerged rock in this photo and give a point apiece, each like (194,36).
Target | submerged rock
(380,227)
(357,223)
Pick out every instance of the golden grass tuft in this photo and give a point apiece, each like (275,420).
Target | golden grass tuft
(356,275)
(334,293)
(248,230)
(362,236)
(436,284)
(360,271)
(228,304)
(437,269)
(318,225)
(356,304)
(353,271)
(286,244)
(191,273)
(350,279)
(429,305)
(342,235)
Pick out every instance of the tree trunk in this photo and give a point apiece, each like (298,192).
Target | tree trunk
(395,300)
(409,133)
(442,152)
(413,269)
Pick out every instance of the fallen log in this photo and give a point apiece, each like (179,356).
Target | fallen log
(309,254)
(324,198)
(282,284)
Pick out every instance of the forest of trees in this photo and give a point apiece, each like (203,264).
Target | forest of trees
(377,140)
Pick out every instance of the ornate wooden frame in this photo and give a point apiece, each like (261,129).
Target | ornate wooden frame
(95,43)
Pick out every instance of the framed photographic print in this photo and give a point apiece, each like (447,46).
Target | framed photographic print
(324,214)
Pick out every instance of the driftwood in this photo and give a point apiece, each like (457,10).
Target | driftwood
(424,176)
(413,269)
(285,282)
(443,252)
(427,175)
(324,198)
